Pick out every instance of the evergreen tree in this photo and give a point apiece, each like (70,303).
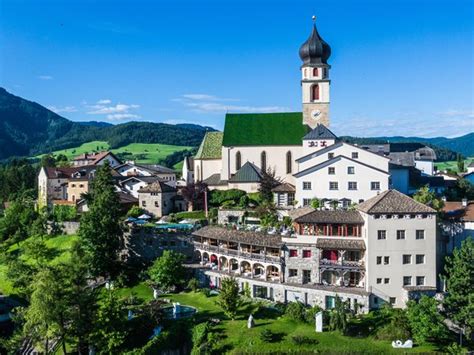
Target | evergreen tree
(459,300)
(268,182)
(460,163)
(229,297)
(100,231)
(338,316)
(168,272)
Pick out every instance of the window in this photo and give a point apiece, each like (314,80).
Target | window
(420,234)
(263,161)
(375,185)
(330,155)
(331,170)
(293,253)
(81,185)
(315,72)
(238,161)
(156,204)
(352,185)
(406,259)
(355,155)
(406,280)
(381,234)
(315,92)
(288,162)
(420,259)
(292,272)
(325,72)
(73,185)
(420,280)
(393,300)
(386,260)
(306,253)
(379,280)
(379,260)
(306,185)
(333,185)
(350,170)
(400,234)
(306,276)
(306,201)
(143,203)
(386,280)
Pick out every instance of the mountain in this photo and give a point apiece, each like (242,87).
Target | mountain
(27,128)
(95,123)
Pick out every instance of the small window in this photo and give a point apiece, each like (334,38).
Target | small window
(386,260)
(406,259)
(379,280)
(315,72)
(352,185)
(379,260)
(73,185)
(306,201)
(420,234)
(381,234)
(375,185)
(355,155)
(315,92)
(292,272)
(263,161)
(333,185)
(406,280)
(331,170)
(306,253)
(393,300)
(386,280)
(420,258)
(350,170)
(143,203)
(156,204)
(306,185)
(293,253)
(330,155)
(400,234)
(420,280)
(81,186)
(238,161)
(289,162)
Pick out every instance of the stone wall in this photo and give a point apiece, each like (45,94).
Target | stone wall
(224,215)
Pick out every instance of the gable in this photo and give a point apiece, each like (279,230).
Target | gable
(264,129)
(211,146)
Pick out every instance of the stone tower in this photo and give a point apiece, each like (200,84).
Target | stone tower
(315,81)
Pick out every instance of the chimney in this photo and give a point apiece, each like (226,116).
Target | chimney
(464,202)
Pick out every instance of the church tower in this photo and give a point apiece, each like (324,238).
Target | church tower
(315,81)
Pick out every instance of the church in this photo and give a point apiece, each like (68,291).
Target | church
(299,147)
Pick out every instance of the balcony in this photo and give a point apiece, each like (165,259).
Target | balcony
(238,253)
(342,264)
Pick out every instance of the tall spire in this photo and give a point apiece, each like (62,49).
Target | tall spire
(315,51)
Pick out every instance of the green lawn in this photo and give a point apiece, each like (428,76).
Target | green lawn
(452,165)
(237,339)
(146,153)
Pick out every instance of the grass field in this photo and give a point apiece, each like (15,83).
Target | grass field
(237,339)
(147,153)
(452,165)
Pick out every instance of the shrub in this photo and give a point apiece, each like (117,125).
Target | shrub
(190,215)
(217,197)
(296,311)
(303,340)
(266,335)
(193,284)
(310,314)
(134,212)
(280,307)
(206,291)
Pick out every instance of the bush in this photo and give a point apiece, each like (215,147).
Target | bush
(193,284)
(310,314)
(296,311)
(206,291)
(280,307)
(64,213)
(190,215)
(217,197)
(135,212)
(266,335)
(303,340)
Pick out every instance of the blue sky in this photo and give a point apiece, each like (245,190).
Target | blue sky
(399,67)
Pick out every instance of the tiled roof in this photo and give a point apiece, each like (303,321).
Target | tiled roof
(455,209)
(157,186)
(260,129)
(214,180)
(211,146)
(331,216)
(393,201)
(247,173)
(285,187)
(320,132)
(155,168)
(300,211)
(340,243)
(247,237)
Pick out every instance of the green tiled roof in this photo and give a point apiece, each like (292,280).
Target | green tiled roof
(210,147)
(256,129)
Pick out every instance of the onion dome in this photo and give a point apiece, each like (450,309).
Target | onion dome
(315,51)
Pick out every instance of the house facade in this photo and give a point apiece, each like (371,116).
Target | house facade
(157,199)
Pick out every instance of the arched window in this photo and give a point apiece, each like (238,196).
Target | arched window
(315,92)
(315,72)
(288,162)
(263,161)
(238,161)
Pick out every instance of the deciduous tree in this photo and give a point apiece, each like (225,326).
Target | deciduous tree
(168,272)
(425,320)
(429,198)
(229,297)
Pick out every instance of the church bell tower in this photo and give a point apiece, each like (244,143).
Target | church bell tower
(315,81)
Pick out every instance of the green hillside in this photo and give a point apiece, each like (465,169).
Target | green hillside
(149,153)
(452,165)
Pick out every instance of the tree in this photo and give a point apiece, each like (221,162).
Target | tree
(460,163)
(459,300)
(194,194)
(168,272)
(425,320)
(429,198)
(47,161)
(338,315)
(135,212)
(267,183)
(100,231)
(229,297)
(315,203)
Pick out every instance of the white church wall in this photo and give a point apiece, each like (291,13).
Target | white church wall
(203,168)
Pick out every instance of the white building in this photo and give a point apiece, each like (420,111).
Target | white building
(131,169)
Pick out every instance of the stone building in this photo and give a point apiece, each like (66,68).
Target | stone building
(157,198)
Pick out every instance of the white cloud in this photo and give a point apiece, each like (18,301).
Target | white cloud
(104,102)
(121,116)
(45,77)
(62,109)
(457,113)
(119,108)
(113,111)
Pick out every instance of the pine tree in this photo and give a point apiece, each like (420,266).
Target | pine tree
(229,297)
(100,231)
(459,301)
(460,163)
